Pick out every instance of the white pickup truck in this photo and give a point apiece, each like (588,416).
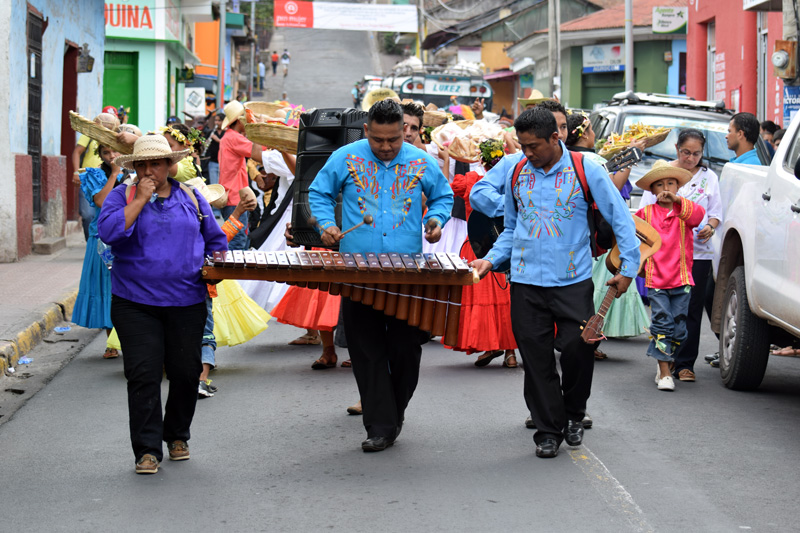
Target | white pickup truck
(757,263)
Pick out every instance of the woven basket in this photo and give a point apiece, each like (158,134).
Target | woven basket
(434,118)
(102,135)
(265,109)
(273,135)
(652,140)
(463,124)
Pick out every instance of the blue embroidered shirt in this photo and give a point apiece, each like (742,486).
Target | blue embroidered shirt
(547,233)
(390,193)
(487,196)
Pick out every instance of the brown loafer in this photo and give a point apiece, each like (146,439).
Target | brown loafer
(686,375)
(355,409)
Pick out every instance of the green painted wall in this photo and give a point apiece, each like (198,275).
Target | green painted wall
(585,90)
(146,79)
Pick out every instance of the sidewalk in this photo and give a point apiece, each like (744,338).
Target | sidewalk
(38,293)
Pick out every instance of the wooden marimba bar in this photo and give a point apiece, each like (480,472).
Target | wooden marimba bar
(421,289)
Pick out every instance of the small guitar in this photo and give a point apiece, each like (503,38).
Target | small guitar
(484,230)
(650,243)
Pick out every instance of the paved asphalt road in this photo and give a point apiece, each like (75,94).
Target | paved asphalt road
(274,450)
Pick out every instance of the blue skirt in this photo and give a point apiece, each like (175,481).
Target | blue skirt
(93,304)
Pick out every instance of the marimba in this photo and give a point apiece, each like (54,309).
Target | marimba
(421,289)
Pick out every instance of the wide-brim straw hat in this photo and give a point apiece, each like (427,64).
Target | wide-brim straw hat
(148,147)
(662,169)
(214,194)
(534,98)
(233,110)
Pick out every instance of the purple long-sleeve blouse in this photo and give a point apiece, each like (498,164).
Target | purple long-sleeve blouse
(157,260)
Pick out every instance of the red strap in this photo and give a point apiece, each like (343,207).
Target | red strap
(131,193)
(577,161)
(515,176)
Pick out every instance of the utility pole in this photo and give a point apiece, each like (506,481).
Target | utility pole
(223,5)
(252,45)
(554,44)
(629,73)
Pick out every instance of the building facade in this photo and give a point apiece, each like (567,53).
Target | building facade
(45,42)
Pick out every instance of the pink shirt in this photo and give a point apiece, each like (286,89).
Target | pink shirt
(234,148)
(671,266)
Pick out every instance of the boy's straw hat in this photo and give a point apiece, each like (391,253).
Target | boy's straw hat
(661,169)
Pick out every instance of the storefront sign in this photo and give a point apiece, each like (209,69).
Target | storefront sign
(130,18)
(791,102)
(194,101)
(670,19)
(339,16)
(604,58)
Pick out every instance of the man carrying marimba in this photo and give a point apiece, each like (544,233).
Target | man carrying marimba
(386,178)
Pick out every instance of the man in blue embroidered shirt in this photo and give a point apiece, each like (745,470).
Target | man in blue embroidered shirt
(743,132)
(384,177)
(547,239)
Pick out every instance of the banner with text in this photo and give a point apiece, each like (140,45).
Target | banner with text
(340,16)
(603,58)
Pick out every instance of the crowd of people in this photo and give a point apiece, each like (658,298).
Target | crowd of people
(186,191)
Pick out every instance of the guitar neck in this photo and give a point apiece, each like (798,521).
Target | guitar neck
(609,298)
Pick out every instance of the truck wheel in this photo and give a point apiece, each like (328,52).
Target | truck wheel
(743,340)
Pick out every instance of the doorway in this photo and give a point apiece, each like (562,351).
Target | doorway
(34,56)
(121,83)
(69,102)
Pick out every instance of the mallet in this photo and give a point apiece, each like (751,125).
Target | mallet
(367,220)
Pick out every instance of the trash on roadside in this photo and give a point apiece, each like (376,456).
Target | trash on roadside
(62,329)
(11,370)
(25,361)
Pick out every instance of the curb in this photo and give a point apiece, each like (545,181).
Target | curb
(24,341)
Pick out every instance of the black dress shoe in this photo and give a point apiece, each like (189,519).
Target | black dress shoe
(587,421)
(574,432)
(376,444)
(529,423)
(547,448)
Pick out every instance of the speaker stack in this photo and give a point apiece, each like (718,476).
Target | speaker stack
(322,132)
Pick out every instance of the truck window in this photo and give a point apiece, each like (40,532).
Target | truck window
(792,154)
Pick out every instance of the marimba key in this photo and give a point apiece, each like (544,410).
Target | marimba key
(433,263)
(397,262)
(349,261)
(372,261)
(283,261)
(238,259)
(229,259)
(361,263)
(338,261)
(261,260)
(419,259)
(459,263)
(272,260)
(294,261)
(447,265)
(305,260)
(316,260)
(408,262)
(219,259)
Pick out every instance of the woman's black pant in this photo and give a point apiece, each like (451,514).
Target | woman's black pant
(154,340)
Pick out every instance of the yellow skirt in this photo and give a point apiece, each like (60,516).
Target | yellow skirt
(237,318)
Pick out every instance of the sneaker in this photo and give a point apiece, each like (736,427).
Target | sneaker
(686,375)
(148,464)
(666,383)
(204,390)
(212,388)
(178,450)
(710,357)
(715,363)
(587,421)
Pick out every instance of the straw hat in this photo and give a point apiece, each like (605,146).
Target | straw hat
(376,95)
(130,128)
(233,110)
(214,194)
(661,169)
(534,98)
(150,147)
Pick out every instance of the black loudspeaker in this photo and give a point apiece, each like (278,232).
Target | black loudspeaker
(322,132)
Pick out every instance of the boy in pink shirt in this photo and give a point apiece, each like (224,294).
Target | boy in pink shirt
(668,274)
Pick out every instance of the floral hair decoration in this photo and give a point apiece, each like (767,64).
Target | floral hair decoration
(178,136)
(581,128)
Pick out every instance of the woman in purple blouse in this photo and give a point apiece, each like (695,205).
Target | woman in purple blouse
(159,236)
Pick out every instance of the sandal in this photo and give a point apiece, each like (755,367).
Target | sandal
(600,355)
(306,340)
(110,353)
(787,351)
(346,364)
(510,360)
(486,357)
(322,363)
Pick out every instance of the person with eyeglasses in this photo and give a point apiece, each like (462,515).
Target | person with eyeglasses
(702,189)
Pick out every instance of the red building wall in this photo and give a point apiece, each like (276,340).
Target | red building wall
(737,39)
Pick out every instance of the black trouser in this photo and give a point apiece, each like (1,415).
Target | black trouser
(155,339)
(534,312)
(686,355)
(385,353)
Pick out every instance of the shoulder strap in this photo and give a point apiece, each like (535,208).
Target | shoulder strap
(130,194)
(577,162)
(515,176)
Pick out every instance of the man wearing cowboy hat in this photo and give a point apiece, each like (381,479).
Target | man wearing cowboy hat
(234,149)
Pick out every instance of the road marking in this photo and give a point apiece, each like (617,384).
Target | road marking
(610,488)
